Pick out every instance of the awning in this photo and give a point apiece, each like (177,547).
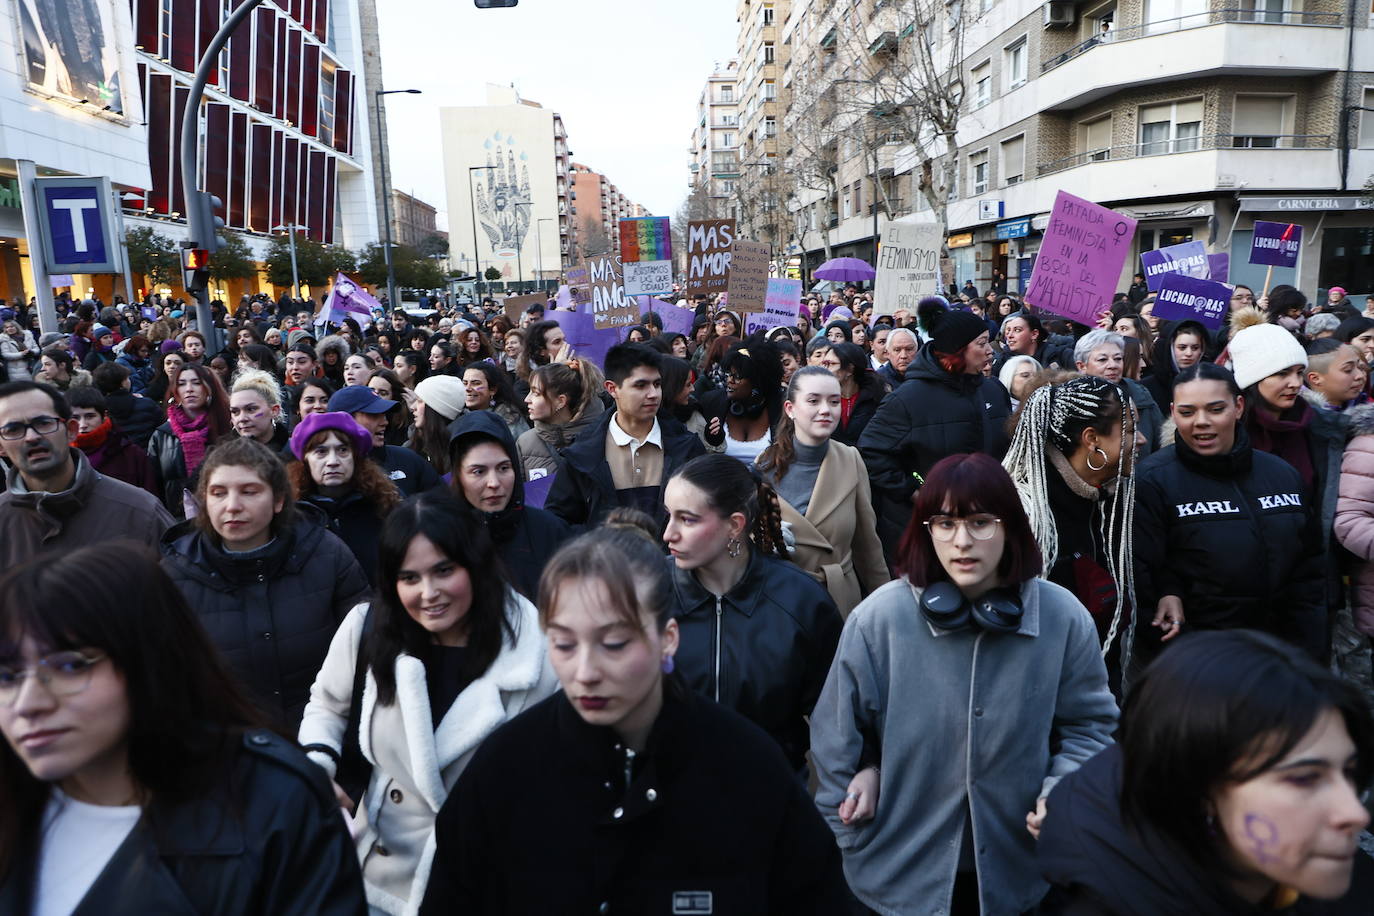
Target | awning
(1193,209)
(1298,204)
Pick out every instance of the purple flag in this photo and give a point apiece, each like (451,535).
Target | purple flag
(1189,259)
(1181,297)
(347,300)
(1276,244)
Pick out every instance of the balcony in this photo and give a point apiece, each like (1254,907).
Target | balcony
(1218,42)
(1188,145)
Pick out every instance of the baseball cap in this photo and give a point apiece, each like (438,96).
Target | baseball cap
(358,399)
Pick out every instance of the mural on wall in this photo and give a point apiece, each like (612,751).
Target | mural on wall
(70,50)
(503,196)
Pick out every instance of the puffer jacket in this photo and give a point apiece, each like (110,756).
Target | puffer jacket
(1235,538)
(763,649)
(354,518)
(541,448)
(136,416)
(932,415)
(1354,526)
(267,838)
(271,611)
(141,371)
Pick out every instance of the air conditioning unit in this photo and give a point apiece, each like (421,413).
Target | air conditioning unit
(989,209)
(1060,14)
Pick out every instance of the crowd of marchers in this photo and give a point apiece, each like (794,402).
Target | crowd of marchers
(966,610)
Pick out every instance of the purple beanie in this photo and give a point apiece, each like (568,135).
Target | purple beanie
(169,346)
(340,422)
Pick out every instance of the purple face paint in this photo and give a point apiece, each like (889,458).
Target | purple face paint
(1263,835)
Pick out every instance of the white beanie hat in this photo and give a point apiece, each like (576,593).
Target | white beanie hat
(1260,350)
(444,393)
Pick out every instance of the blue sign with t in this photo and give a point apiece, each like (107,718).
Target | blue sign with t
(75,221)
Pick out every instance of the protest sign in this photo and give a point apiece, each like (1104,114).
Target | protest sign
(1189,259)
(1276,244)
(908,266)
(610,308)
(675,320)
(1219,267)
(537,490)
(565,298)
(586,340)
(748,283)
(1080,259)
(779,308)
(648,278)
(515,306)
(646,255)
(1183,297)
(708,255)
(578,282)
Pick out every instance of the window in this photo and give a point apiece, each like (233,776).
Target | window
(858,197)
(768,14)
(978,172)
(1265,10)
(770,128)
(727,139)
(770,90)
(1015,64)
(1013,160)
(767,52)
(1095,139)
(845,203)
(727,93)
(982,84)
(1174,127)
(954,12)
(1168,15)
(728,186)
(1367,119)
(1259,121)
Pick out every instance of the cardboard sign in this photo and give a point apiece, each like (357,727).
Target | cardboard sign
(908,266)
(675,320)
(1189,259)
(610,308)
(578,281)
(1276,244)
(1080,259)
(646,238)
(709,242)
(779,309)
(1219,267)
(748,283)
(515,306)
(1183,297)
(648,278)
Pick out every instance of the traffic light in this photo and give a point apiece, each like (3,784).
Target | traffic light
(202,221)
(195,269)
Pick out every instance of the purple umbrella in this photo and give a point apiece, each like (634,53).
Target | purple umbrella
(845,270)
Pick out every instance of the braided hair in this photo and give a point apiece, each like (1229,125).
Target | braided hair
(1057,415)
(732,486)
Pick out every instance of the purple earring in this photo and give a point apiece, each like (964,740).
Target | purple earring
(667,664)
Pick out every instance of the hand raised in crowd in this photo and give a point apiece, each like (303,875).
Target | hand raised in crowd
(1105,320)
(1169,617)
(861,798)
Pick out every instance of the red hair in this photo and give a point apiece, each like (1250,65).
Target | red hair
(962,485)
(953,363)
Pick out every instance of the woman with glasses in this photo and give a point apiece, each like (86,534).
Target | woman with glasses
(936,804)
(135,777)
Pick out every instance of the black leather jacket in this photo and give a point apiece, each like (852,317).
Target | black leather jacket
(267,839)
(763,649)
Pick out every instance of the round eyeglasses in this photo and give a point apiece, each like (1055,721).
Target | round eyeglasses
(980,527)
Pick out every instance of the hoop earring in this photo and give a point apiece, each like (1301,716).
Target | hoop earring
(1088,460)
(734,548)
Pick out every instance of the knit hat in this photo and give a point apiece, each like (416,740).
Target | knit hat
(1337,289)
(443,393)
(340,422)
(169,346)
(50,338)
(952,331)
(1259,350)
(297,336)
(100,331)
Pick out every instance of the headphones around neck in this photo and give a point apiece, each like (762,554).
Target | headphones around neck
(997,611)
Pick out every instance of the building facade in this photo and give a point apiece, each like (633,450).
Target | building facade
(1195,117)
(600,208)
(713,156)
(760,188)
(412,220)
(506,168)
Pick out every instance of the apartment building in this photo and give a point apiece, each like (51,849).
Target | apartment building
(601,207)
(412,220)
(760,189)
(1196,118)
(713,157)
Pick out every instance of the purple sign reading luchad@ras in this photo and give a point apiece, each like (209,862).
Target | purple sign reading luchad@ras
(1181,297)
(1276,244)
(1189,259)
(1080,259)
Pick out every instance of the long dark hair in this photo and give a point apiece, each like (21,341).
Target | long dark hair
(186,711)
(441,518)
(503,392)
(732,486)
(218,399)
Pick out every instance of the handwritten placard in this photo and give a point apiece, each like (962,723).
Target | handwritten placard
(908,266)
(610,307)
(1080,259)
(748,286)
(514,306)
(1188,259)
(1276,244)
(675,320)
(1183,297)
(779,308)
(645,238)
(647,278)
(578,281)
(709,242)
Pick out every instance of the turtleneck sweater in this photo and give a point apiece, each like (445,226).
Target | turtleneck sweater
(797,485)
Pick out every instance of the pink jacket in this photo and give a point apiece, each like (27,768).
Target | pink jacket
(1355,514)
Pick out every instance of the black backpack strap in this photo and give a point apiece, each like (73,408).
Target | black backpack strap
(354,770)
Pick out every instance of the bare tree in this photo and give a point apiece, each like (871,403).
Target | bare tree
(813,155)
(592,240)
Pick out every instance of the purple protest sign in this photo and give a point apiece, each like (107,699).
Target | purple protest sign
(675,320)
(583,336)
(1276,244)
(1181,297)
(1219,267)
(537,490)
(1189,259)
(1080,259)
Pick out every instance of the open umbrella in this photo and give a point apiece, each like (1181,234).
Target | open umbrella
(845,270)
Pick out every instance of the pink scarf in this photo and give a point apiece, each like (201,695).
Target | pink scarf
(194,435)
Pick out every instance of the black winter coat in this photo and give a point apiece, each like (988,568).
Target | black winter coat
(266,840)
(583,493)
(164,448)
(1236,538)
(932,415)
(406,469)
(763,649)
(709,820)
(525,536)
(137,417)
(354,520)
(865,407)
(273,611)
(1098,866)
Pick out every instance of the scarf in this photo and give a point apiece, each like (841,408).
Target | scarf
(1285,436)
(93,440)
(194,435)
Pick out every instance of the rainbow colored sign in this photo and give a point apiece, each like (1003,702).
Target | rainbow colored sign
(646,238)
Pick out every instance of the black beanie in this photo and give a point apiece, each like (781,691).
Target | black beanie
(955,330)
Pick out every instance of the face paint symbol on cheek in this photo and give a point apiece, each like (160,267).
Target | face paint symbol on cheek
(1263,836)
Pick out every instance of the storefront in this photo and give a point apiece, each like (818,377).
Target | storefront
(962,257)
(1337,245)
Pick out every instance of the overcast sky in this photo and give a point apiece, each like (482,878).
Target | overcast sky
(624,74)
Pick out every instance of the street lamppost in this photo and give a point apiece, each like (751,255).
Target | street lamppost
(539,250)
(386,194)
(290,230)
(472,209)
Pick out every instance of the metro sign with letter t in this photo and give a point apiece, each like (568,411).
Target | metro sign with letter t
(76,223)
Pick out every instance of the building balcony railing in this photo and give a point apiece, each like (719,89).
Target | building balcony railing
(1188,145)
(1196,21)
